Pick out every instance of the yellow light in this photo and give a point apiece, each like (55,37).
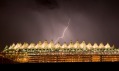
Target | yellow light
(107,45)
(25,45)
(32,45)
(58,45)
(101,45)
(83,45)
(95,45)
(64,45)
(76,45)
(51,44)
(45,44)
(17,46)
(71,45)
(89,46)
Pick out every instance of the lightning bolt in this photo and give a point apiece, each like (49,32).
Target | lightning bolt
(63,32)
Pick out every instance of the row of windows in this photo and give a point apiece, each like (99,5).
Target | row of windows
(24,50)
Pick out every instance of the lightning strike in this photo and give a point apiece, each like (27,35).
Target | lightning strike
(63,32)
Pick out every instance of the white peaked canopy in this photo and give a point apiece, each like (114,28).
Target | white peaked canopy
(71,45)
(58,45)
(83,45)
(113,46)
(25,45)
(64,45)
(95,45)
(39,45)
(12,46)
(89,46)
(51,44)
(107,45)
(31,46)
(45,44)
(18,45)
(77,45)
(101,45)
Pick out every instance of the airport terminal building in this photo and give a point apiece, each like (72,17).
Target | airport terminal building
(44,52)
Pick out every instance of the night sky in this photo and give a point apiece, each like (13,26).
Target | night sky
(35,20)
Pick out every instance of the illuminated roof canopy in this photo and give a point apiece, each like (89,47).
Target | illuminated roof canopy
(51,44)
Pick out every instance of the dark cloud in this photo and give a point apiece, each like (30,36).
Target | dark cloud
(51,4)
